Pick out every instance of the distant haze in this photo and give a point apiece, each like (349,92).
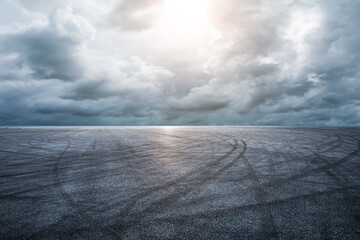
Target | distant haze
(180,62)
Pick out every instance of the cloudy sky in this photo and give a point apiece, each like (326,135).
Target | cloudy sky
(180,62)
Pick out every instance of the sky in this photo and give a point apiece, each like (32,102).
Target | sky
(180,62)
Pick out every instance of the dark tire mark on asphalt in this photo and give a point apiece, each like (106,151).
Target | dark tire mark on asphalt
(14,144)
(82,212)
(192,183)
(320,160)
(41,141)
(261,197)
(280,182)
(263,173)
(64,195)
(256,206)
(24,154)
(57,181)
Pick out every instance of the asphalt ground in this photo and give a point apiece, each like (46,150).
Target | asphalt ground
(179,183)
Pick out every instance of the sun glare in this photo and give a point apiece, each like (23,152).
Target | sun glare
(185,23)
(184,13)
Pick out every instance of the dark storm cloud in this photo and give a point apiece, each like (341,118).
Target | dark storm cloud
(201,106)
(200,99)
(68,109)
(48,50)
(92,90)
(45,52)
(89,108)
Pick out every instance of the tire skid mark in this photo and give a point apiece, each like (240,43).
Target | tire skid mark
(57,174)
(263,202)
(137,197)
(289,163)
(141,160)
(81,214)
(11,143)
(243,178)
(280,182)
(30,142)
(270,164)
(236,210)
(180,191)
(205,199)
(193,172)
(143,156)
(132,202)
(285,161)
(25,154)
(339,181)
(346,170)
(51,185)
(319,160)
(261,197)
(339,142)
(322,183)
(19,153)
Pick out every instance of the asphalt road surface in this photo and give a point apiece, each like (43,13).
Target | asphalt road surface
(179,183)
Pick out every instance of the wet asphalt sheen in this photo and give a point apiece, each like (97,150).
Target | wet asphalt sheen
(179,183)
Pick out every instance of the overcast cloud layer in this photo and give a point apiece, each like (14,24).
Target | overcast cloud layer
(257,62)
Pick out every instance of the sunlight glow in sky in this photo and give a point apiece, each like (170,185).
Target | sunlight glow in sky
(185,22)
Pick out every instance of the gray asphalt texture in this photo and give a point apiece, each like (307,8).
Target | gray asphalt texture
(179,183)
